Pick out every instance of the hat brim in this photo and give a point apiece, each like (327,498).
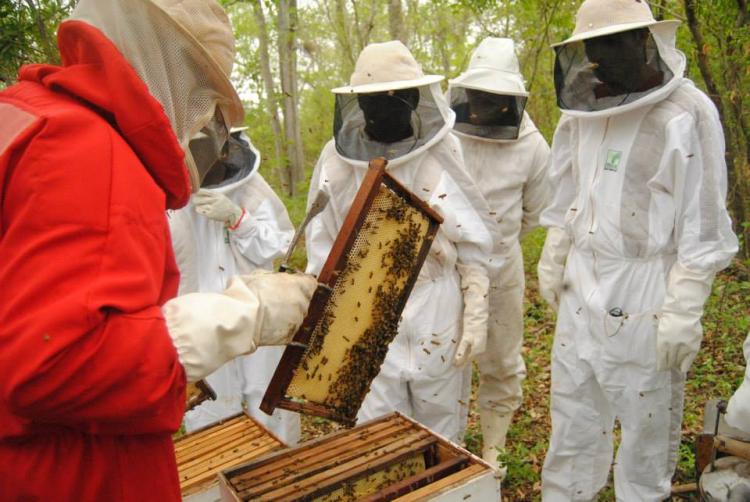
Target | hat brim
(388,86)
(615,28)
(489,81)
(231,106)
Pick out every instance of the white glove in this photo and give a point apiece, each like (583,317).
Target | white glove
(217,206)
(679,334)
(551,267)
(262,308)
(475,285)
(738,410)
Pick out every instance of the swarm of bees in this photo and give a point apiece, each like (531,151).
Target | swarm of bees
(350,341)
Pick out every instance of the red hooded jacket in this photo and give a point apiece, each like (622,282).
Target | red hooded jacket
(91,386)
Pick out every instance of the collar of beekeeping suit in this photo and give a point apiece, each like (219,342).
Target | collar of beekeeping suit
(386,66)
(183,51)
(493,68)
(596,18)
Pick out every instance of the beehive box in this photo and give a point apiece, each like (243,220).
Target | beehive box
(390,458)
(354,314)
(202,454)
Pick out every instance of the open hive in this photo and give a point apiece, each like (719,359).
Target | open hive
(354,313)
(390,458)
(202,454)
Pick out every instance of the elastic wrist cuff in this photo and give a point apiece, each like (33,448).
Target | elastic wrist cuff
(239,220)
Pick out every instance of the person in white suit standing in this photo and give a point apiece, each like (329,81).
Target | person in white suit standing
(235,224)
(637,229)
(506,156)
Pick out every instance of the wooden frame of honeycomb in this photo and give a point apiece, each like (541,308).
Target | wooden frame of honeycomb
(354,314)
(196,393)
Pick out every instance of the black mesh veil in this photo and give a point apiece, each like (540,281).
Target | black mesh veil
(603,72)
(352,141)
(487,115)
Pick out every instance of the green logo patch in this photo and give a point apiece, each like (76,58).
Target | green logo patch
(613,160)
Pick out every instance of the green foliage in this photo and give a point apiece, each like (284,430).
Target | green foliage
(27,33)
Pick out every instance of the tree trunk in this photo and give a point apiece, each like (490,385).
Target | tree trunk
(271,99)
(737,194)
(396,21)
(287,63)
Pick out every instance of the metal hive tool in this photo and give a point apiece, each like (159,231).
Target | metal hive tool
(354,314)
(390,458)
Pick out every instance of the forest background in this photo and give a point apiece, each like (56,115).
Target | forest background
(290,53)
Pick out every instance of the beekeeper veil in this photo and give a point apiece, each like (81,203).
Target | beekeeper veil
(390,109)
(489,97)
(618,55)
(183,51)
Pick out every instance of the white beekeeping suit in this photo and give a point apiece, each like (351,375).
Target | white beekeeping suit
(393,110)
(234,225)
(637,229)
(738,410)
(506,156)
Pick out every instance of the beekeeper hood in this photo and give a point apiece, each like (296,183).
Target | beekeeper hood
(489,97)
(386,74)
(183,51)
(618,58)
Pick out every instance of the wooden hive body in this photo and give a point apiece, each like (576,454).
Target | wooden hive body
(391,458)
(354,314)
(202,454)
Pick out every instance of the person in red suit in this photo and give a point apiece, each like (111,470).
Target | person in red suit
(94,350)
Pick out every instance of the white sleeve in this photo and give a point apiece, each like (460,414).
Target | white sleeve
(183,245)
(265,231)
(536,190)
(703,228)
(464,225)
(560,175)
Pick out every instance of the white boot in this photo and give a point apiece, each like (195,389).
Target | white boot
(494,430)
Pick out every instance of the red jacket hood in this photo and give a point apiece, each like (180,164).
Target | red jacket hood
(95,72)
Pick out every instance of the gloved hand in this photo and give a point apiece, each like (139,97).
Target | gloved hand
(217,206)
(475,286)
(738,410)
(262,308)
(679,334)
(551,267)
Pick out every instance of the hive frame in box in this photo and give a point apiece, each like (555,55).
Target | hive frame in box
(335,268)
(202,453)
(456,475)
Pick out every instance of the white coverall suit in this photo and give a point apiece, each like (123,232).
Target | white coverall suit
(418,377)
(738,410)
(208,255)
(638,211)
(509,165)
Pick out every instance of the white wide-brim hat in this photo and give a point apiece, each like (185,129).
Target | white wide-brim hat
(483,79)
(493,68)
(387,66)
(597,18)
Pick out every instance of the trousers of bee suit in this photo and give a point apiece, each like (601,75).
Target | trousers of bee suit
(501,366)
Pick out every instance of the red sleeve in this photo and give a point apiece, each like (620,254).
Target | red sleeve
(85,266)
